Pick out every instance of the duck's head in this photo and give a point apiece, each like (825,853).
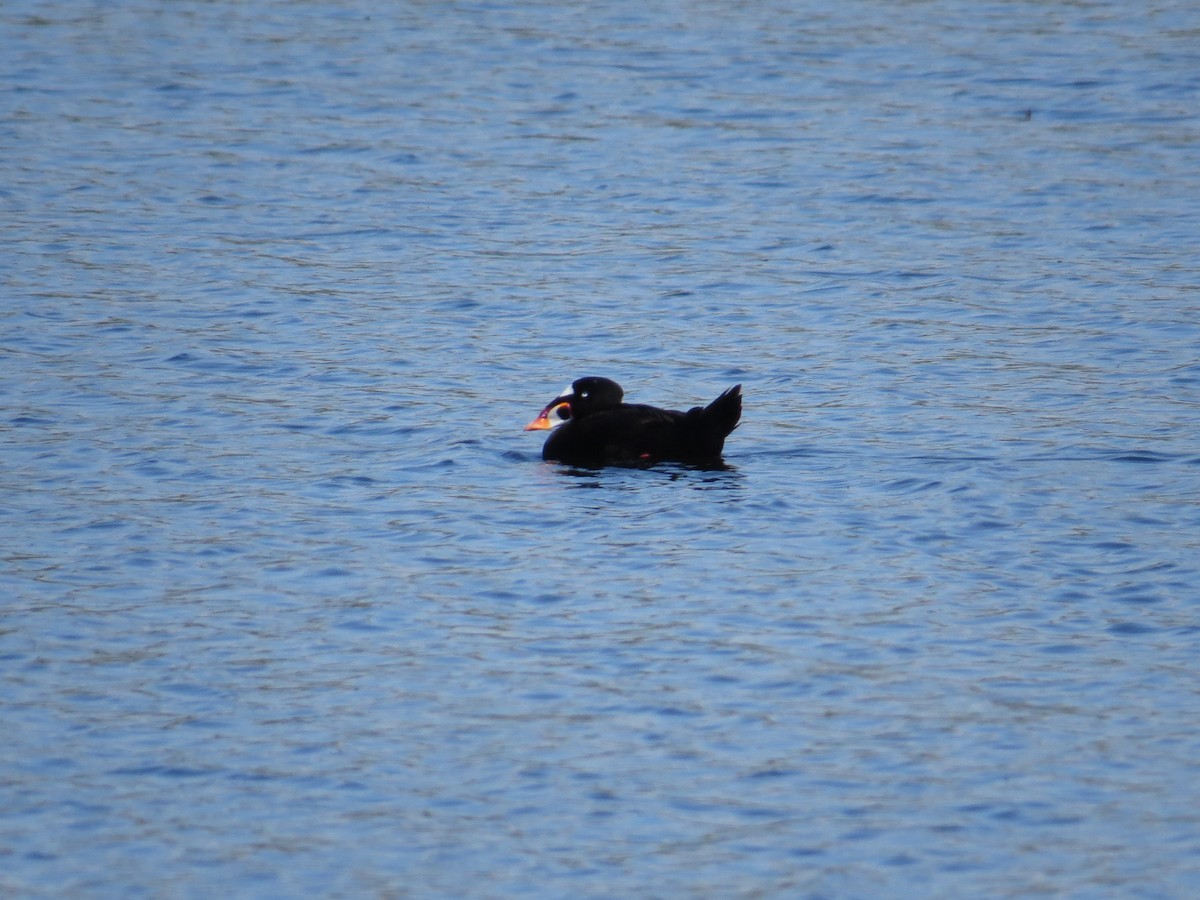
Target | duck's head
(584,396)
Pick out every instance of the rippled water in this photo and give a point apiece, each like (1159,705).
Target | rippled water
(293,607)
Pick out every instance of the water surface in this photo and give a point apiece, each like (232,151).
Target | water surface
(292,605)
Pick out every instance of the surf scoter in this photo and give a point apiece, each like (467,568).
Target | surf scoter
(590,426)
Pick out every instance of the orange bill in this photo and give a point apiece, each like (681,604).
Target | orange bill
(560,412)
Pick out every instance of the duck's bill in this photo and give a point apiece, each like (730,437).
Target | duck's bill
(550,417)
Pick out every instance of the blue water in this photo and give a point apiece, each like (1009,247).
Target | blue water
(292,606)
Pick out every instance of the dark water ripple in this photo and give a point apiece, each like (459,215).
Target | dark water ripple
(292,606)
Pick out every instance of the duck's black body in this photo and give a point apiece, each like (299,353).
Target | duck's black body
(594,428)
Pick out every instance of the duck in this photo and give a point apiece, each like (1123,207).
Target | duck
(590,425)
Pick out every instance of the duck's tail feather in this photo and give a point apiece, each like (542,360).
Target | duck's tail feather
(724,413)
(712,424)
